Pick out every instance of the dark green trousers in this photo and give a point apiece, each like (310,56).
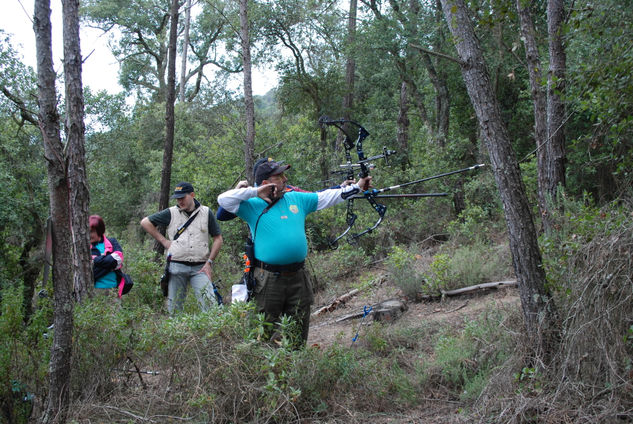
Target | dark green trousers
(285,293)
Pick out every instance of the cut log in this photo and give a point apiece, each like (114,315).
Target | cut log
(389,310)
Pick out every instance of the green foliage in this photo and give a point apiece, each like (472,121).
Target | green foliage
(600,98)
(477,263)
(466,360)
(342,264)
(24,354)
(401,267)
(220,350)
(436,280)
(145,272)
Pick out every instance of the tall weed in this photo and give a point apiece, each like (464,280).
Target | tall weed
(466,360)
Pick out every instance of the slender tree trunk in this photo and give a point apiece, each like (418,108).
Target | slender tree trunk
(443,100)
(403,126)
(249,142)
(185,46)
(555,92)
(539,102)
(75,130)
(168,150)
(350,70)
(538,311)
(59,377)
(418,100)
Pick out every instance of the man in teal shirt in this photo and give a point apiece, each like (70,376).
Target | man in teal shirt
(276,219)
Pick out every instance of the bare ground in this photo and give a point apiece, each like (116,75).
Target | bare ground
(435,407)
(453,311)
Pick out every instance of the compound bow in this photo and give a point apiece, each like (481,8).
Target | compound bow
(364,165)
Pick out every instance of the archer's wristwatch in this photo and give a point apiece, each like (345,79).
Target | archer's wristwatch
(210,261)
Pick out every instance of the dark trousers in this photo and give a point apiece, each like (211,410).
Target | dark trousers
(285,293)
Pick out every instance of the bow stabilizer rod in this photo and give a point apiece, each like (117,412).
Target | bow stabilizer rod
(403,195)
(421,180)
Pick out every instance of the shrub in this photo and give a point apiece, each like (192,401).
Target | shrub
(24,353)
(466,360)
(401,269)
(477,263)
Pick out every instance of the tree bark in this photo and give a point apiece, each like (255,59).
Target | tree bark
(538,310)
(403,126)
(59,378)
(249,141)
(539,102)
(555,92)
(185,46)
(168,150)
(75,132)
(350,71)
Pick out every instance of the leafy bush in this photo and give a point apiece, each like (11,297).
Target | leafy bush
(401,269)
(478,263)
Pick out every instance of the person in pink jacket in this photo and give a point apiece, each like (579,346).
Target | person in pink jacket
(107,256)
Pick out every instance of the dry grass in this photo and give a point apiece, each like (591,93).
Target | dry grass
(590,379)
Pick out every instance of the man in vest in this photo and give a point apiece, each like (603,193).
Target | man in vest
(276,218)
(188,245)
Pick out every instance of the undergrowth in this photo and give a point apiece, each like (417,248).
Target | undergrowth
(588,263)
(132,362)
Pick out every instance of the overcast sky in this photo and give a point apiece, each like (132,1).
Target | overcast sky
(100,68)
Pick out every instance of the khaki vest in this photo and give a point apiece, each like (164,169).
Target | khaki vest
(193,243)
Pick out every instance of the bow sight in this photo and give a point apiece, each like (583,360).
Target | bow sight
(364,166)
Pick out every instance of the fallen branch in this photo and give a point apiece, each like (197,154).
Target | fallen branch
(336,303)
(349,316)
(478,287)
(455,309)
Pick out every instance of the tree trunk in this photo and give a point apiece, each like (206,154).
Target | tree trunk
(168,151)
(555,92)
(185,46)
(59,378)
(539,103)
(75,130)
(442,95)
(403,126)
(350,70)
(249,142)
(538,310)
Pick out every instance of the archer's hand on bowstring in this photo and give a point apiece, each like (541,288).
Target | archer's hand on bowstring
(268,192)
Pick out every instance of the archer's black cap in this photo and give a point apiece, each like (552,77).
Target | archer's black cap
(181,190)
(267,169)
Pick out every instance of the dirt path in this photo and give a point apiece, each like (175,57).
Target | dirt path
(325,331)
